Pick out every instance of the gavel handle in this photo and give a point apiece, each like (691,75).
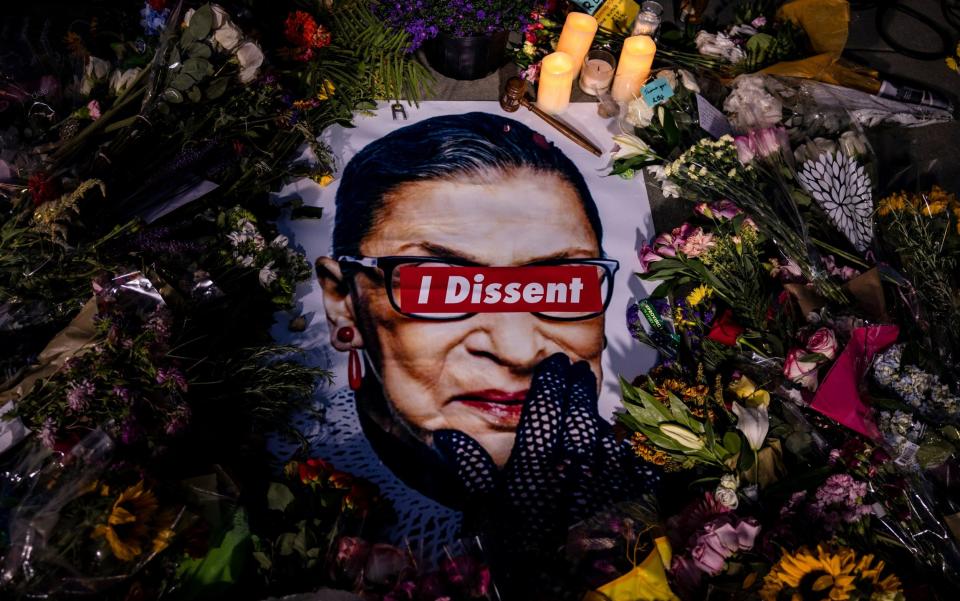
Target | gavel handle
(563,128)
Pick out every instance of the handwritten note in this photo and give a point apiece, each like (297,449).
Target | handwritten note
(656,92)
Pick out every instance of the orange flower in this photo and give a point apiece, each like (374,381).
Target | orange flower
(134,521)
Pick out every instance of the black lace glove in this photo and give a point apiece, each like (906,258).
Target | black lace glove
(565,465)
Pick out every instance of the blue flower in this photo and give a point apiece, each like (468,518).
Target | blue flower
(153,21)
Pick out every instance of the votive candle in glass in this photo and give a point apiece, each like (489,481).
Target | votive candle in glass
(636,58)
(577,36)
(556,82)
(597,72)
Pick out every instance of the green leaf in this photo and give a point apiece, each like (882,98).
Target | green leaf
(285,543)
(201,22)
(182,82)
(197,68)
(172,96)
(211,575)
(732,442)
(279,496)
(263,560)
(217,87)
(194,94)
(199,50)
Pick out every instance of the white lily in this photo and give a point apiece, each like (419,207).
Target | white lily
(629,146)
(753,422)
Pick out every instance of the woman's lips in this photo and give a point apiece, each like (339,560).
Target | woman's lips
(498,406)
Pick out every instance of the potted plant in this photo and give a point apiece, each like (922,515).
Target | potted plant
(462,39)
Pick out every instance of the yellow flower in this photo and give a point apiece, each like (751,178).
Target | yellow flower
(952,64)
(326,90)
(827,574)
(698,295)
(895,202)
(934,208)
(324,180)
(745,389)
(135,514)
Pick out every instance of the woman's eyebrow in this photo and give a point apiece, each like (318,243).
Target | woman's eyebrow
(439,250)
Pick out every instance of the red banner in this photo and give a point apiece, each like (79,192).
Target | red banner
(560,289)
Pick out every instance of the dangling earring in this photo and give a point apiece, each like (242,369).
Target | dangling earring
(354,366)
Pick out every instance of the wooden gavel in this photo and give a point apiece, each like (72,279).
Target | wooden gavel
(515,95)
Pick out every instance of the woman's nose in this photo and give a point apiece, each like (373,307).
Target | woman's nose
(514,340)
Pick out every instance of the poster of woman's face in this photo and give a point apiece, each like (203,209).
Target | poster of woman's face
(452,195)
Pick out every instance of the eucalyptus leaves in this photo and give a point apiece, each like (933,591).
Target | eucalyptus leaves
(194,69)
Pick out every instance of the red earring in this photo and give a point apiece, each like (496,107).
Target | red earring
(354,367)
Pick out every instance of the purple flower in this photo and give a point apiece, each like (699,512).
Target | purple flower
(78,397)
(122,392)
(173,376)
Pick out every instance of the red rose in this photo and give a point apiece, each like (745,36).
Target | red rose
(725,330)
(157,5)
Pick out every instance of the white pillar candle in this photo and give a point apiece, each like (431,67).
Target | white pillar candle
(577,36)
(636,58)
(556,82)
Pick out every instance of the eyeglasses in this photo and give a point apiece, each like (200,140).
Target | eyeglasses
(390,270)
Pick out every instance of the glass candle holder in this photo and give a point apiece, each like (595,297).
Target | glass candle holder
(648,19)
(596,75)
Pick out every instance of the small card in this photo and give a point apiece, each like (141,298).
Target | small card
(712,119)
(656,91)
(588,6)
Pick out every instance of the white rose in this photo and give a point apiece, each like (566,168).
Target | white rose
(94,71)
(727,497)
(250,57)
(689,81)
(227,36)
(639,113)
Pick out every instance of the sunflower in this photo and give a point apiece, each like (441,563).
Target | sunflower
(834,575)
(646,451)
(135,515)
(698,295)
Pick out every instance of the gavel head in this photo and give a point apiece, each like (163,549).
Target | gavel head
(513,95)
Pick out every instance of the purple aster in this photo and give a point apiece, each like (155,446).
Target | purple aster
(78,397)
(173,376)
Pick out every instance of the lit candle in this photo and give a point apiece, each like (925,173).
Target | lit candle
(597,72)
(636,59)
(576,37)
(556,82)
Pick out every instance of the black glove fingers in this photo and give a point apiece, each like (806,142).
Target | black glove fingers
(474,466)
(542,414)
(582,421)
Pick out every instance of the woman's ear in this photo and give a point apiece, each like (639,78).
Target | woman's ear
(338,303)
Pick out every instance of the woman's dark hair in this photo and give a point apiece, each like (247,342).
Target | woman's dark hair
(437,148)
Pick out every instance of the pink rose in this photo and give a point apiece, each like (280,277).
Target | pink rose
(94,109)
(803,373)
(648,256)
(708,559)
(747,531)
(823,342)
